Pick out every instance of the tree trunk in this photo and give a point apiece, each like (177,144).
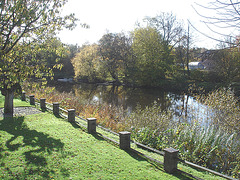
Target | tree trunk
(188,53)
(8,104)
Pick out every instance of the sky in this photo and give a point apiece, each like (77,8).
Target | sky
(117,16)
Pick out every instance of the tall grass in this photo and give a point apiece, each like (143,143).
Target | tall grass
(223,108)
(208,147)
(215,145)
(109,116)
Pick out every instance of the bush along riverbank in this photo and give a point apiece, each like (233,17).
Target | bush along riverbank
(212,142)
(43,142)
(42,146)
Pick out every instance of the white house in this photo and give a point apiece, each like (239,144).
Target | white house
(65,80)
(195,65)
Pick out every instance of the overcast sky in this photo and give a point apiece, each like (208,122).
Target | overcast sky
(121,15)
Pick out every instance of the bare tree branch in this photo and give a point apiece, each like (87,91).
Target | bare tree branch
(220,15)
(210,37)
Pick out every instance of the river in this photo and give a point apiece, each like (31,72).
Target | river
(129,98)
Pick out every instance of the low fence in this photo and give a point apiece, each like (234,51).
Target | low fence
(170,155)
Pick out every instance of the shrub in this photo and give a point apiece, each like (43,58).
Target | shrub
(223,108)
(215,145)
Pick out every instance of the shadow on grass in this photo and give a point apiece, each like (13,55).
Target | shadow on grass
(140,157)
(76,125)
(36,142)
(96,135)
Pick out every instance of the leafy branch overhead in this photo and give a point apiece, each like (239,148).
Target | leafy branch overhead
(30,19)
(25,25)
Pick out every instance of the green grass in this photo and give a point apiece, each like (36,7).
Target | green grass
(16,102)
(43,146)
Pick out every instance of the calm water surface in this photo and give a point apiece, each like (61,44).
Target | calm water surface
(129,98)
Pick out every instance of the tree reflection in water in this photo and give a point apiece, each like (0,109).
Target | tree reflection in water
(181,104)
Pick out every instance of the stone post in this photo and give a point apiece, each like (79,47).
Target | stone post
(56,108)
(32,100)
(124,140)
(23,96)
(170,160)
(43,104)
(71,115)
(91,125)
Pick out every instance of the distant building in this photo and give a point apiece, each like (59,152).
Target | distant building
(207,59)
(195,65)
(209,64)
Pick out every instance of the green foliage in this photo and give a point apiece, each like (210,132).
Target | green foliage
(208,146)
(148,49)
(68,69)
(23,25)
(151,117)
(172,33)
(51,51)
(223,108)
(226,64)
(198,75)
(115,51)
(214,145)
(143,58)
(87,64)
(205,146)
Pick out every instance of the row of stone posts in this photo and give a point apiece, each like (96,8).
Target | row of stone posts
(170,155)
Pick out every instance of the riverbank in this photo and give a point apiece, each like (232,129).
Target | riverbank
(42,146)
(172,85)
(155,127)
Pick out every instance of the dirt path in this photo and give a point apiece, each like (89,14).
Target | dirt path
(22,111)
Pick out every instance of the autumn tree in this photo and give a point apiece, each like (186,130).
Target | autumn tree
(227,64)
(170,29)
(148,49)
(22,23)
(115,51)
(87,64)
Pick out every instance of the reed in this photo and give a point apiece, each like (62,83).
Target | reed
(223,108)
(109,116)
(207,146)
(214,145)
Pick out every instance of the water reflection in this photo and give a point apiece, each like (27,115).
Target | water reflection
(126,97)
(182,105)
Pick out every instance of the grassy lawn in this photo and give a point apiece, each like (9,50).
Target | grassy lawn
(42,146)
(16,102)
(45,147)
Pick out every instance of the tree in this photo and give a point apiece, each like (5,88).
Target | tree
(54,53)
(87,63)
(68,69)
(22,22)
(221,17)
(115,50)
(172,33)
(169,27)
(149,51)
(227,64)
